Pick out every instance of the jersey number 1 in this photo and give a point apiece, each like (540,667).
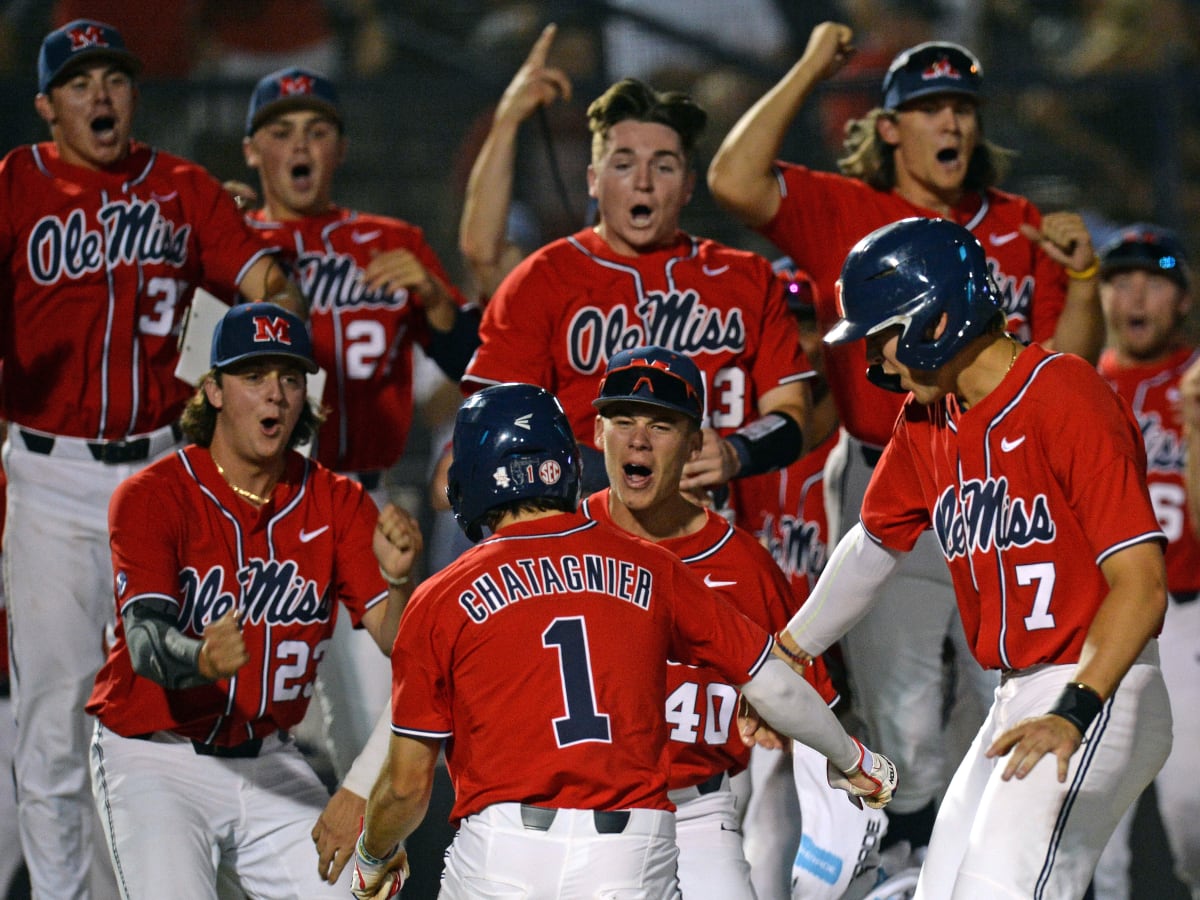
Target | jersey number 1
(582,722)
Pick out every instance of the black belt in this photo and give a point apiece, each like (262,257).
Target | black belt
(109,452)
(540,818)
(245,750)
(1185,597)
(712,785)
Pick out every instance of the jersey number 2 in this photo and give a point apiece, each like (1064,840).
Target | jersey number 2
(582,722)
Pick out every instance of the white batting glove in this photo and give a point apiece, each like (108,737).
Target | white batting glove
(880,770)
(376,879)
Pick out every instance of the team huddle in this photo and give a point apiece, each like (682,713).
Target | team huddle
(706,497)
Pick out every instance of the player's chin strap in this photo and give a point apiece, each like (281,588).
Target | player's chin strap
(767,444)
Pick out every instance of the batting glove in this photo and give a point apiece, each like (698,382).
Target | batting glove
(376,879)
(877,767)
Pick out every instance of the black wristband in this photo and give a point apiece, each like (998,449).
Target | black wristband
(1078,704)
(767,444)
(452,350)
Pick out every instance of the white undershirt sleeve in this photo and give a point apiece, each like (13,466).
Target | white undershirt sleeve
(365,771)
(856,570)
(792,706)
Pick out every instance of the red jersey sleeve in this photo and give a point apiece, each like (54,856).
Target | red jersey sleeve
(517,330)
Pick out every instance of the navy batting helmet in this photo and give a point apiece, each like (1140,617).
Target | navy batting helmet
(511,442)
(909,273)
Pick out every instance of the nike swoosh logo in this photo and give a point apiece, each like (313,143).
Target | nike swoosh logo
(999,240)
(164,198)
(1008,446)
(306,536)
(714,584)
(710,272)
(362,237)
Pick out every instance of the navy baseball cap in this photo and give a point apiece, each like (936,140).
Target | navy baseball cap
(935,67)
(1148,247)
(288,90)
(656,376)
(82,40)
(250,330)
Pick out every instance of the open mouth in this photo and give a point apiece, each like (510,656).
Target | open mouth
(270,425)
(636,476)
(947,155)
(103,125)
(640,214)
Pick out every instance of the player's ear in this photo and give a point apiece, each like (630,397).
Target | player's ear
(886,128)
(591,180)
(45,109)
(249,153)
(695,442)
(940,328)
(212,391)
(598,433)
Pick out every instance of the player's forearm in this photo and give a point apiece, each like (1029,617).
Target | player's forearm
(741,175)
(266,280)
(1192,477)
(791,705)
(1129,617)
(453,347)
(856,569)
(484,219)
(395,808)
(1080,328)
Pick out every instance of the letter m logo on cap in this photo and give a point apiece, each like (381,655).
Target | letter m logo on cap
(87,36)
(271,328)
(291,85)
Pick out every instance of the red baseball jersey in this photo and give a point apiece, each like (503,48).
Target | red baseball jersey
(786,510)
(180,534)
(702,705)
(99,267)
(541,656)
(823,215)
(1028,492)
(1152,392)
(362,339)
(566,309)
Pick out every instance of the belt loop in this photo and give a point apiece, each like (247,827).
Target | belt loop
(611,822)
(537,818)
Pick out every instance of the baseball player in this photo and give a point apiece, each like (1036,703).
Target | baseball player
(1041,509)
(376,289)
(636,279)
(231,557)
(102,241)
(651,404)
(572,623)
(921,153)
(799,843)
(1145,291)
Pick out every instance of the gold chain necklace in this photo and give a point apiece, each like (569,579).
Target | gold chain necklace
(241,492)
(1011,362)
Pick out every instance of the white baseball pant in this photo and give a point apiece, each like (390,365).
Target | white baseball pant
(172,817)
(510,850)
(59,590)
(712,863)
(1035,838)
